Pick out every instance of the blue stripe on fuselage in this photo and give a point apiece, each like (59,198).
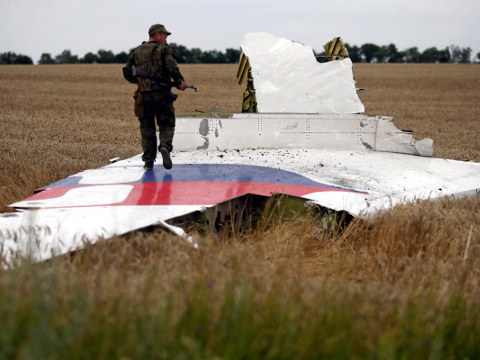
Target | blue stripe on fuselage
(211,172)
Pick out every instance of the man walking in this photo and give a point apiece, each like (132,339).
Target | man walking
(154,99)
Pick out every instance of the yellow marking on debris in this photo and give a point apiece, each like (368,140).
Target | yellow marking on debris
(335,49)
(249,101)
(243,67)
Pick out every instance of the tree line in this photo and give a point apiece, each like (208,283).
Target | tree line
(182,54)
(366,53)
(390,54)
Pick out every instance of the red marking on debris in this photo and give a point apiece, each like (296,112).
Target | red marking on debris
(187,192)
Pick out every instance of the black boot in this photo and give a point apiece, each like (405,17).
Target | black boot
(167,162)
(148,165)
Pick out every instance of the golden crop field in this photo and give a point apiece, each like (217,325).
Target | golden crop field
(405,286)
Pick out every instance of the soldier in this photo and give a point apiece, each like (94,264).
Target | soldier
(154,99)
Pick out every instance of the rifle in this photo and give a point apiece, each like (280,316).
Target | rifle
(157,80)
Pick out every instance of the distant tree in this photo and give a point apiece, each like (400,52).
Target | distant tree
(7,58)
(466,55)
(412,55)
(45,59)
(23,60)
(433,55)
(219,57)
(89,58)
(195,56)
(66,57)
(455,53)
(181,53)
(353,52)
(207,57)
(213,57)
(369,52)
(382,54)
(443,56)
(393,55)
(232,56)
(366,53)
(105,56)
(429,55)
(10,58)
(121,58)
(460,55)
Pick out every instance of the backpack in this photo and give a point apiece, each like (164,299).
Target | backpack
(128,75)
(127,70)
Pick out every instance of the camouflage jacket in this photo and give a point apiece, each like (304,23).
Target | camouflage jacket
(157,60)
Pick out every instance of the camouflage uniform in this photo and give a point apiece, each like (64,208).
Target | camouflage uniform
(157,60)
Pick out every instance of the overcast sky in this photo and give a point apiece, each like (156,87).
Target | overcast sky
(33,27)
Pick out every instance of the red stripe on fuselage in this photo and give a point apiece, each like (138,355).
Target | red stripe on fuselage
(208,193)
(188,192)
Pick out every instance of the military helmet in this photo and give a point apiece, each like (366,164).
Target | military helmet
(157,28)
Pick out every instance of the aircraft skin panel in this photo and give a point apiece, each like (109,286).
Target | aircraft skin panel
(43,233)
(65,214)
(365,170)
(68,213)
(298,172)
(185,184)
(311,131)
(288,78)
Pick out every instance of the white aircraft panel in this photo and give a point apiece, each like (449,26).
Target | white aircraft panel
(311,131)
(288,78)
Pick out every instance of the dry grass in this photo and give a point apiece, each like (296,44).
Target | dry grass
(439,101)
(405,286)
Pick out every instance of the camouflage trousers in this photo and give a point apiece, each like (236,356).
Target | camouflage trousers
(157,104)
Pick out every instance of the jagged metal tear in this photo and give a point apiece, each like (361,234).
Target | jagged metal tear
(288,79)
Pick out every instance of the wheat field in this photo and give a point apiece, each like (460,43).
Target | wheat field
(405,286)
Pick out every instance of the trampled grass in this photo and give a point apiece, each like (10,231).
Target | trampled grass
(405,286)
